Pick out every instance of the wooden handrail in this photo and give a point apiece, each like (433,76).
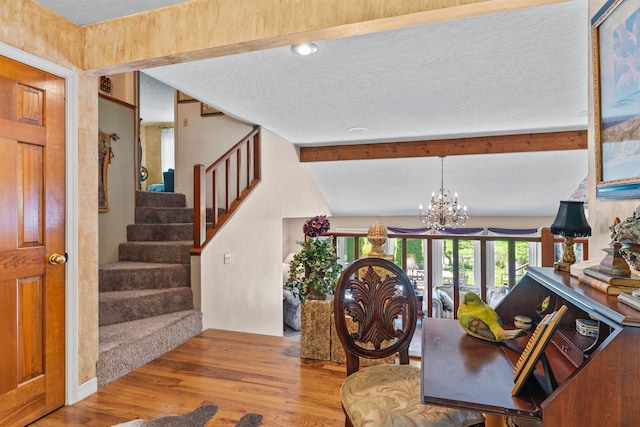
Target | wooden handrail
(221,214)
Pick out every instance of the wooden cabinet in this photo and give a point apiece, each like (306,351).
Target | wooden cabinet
(596,380)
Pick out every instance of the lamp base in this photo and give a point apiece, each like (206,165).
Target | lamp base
(568,257)
(563,266)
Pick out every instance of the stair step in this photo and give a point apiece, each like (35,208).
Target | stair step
(124,347)
(163,215)
(125,306)
(150,199)
(156,232)
(162,252)
(131,275)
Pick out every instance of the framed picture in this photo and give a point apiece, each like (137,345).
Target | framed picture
(616,57)
(182,97)
(207,110)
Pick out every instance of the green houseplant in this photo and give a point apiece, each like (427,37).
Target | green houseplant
(314,270)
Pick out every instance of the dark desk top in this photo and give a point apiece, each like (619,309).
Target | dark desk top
(464,372)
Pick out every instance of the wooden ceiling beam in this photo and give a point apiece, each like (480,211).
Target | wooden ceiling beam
(201,29)
(549,141)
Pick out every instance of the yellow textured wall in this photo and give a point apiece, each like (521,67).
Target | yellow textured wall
(28,26)
(151,152)
(226,27)
(87,228)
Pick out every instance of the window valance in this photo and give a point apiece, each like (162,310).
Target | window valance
(466,231)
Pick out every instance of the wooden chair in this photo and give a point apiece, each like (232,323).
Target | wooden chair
(371,296)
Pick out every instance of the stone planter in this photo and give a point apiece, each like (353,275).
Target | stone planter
(315,334)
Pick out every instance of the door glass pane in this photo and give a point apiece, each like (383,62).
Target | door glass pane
(447,262)
(345,250)
(365,246)
(522,258)
(415,263)
(466,255)
(501,276)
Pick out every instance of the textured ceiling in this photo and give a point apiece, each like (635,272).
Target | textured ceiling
(84,12)
(500,73)
(515,72)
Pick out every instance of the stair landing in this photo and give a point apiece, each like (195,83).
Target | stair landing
(125,347)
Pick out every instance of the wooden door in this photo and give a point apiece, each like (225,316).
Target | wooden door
(32,217)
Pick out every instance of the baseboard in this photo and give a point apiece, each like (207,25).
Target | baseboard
(88,388)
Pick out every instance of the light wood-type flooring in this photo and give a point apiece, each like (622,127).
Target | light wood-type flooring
(241,373)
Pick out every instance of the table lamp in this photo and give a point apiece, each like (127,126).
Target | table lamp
(569,223)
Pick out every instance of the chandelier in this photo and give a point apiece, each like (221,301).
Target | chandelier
(443,209)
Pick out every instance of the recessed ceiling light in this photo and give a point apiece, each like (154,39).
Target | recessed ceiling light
(357,129)
(305,49)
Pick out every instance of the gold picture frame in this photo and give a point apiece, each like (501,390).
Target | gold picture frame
(616,101)
(535,348)
(207,110)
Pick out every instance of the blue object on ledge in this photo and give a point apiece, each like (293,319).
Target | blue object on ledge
(168,181)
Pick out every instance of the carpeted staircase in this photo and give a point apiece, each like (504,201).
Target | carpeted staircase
(146,303)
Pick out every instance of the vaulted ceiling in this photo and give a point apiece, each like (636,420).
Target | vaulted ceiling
(519,72)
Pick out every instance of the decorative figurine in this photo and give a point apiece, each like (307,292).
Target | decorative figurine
(481,321)
(628,234)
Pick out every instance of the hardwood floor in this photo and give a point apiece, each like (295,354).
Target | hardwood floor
(241,373)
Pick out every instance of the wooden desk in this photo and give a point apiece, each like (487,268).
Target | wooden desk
(597,378)
(474,374)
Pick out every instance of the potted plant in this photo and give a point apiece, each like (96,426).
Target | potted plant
(315,269)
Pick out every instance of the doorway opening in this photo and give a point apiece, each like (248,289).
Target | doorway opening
(157,144)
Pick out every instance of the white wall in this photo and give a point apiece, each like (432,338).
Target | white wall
(246,294)
(201,140)
(119,119)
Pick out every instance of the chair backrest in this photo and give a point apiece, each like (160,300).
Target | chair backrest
(375,311)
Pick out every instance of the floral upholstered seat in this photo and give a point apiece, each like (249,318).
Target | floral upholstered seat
(389,395)
(373,293)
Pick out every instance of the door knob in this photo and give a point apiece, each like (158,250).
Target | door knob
(57,259)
